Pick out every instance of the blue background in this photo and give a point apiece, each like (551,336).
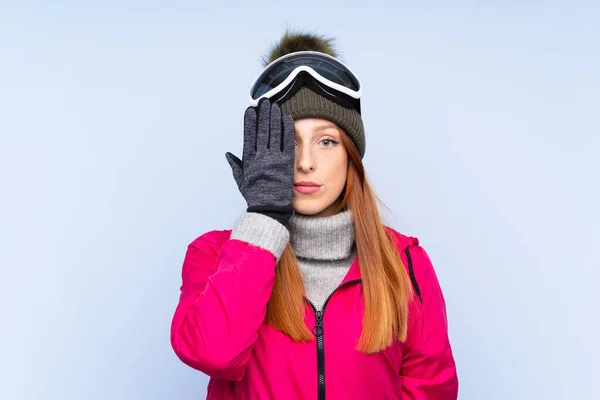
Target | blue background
(482,125)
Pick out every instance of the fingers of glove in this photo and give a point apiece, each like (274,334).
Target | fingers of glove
(264,122)
(249,132)
(236,167)
(288,135)
(276,128)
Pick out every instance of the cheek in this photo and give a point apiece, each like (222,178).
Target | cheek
(338,175)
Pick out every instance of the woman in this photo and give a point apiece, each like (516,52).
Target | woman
(310,295)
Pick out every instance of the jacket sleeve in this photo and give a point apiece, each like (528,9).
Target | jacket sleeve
(428,369)
(224,294)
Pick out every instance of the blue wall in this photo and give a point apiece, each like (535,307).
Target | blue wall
(482,130)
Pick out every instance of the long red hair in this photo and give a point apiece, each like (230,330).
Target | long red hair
(386,285)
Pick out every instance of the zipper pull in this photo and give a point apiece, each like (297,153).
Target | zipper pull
(318,328)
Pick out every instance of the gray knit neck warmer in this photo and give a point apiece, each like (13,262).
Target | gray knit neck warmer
(322,238)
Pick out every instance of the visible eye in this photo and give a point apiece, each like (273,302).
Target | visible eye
(329,142)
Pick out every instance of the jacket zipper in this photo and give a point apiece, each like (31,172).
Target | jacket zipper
(318,332)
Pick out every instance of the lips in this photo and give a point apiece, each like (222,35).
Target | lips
(306,187)
(306,183)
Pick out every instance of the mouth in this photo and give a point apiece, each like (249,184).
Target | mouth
(307,187)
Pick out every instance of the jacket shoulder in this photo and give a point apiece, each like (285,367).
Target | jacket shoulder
(213,239)
(401,241)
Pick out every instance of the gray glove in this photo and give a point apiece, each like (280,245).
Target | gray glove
(265,177)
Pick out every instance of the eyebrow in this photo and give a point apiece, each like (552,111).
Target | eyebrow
(324,127)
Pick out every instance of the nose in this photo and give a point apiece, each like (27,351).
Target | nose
(305,162)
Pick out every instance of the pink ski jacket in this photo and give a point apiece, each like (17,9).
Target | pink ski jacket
(218,328)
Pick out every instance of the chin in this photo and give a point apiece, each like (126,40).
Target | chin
(313,207)
(308,209)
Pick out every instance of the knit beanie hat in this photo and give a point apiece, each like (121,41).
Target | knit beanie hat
(308,104)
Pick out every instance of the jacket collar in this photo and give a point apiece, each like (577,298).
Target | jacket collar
(401,241)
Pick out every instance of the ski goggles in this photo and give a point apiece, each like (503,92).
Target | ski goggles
(322,73)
